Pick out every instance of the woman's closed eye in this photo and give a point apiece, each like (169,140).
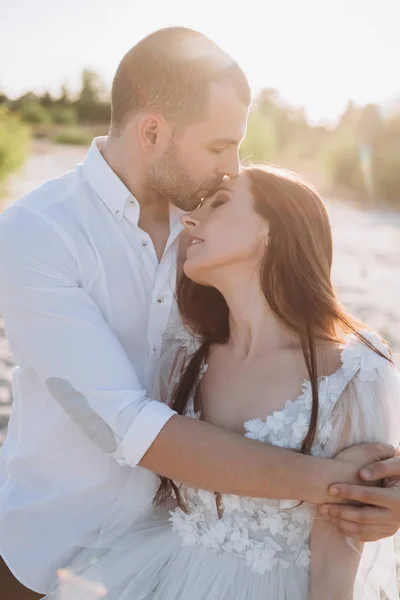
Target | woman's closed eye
(220,199)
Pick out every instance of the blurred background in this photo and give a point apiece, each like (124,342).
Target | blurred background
(325,78)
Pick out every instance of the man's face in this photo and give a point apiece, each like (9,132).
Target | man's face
(197,160)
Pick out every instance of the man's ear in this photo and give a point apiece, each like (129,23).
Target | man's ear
(150,131)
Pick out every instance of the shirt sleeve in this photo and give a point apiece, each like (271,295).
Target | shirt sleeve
(56,329)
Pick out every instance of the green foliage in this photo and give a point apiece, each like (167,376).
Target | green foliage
(74,136)
(14,143)
(92,105)
(63,115)
(361,155)
(341,159)
(260,142)
(33,112)
(364,131)
(386,162)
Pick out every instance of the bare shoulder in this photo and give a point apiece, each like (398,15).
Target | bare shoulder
(328,354)
(329,357)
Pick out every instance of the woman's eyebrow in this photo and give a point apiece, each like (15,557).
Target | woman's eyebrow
(221,188)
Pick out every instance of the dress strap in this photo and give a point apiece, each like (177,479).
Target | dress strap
(358,360)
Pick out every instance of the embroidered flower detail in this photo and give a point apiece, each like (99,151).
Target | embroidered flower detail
(275,523)
(356,356)
(261,557)
(187,339)
(203,369)
(292,535)
(256,429)
(276,421)
(262,534)
(186,526)
(238,541)
(324,432)
(303,514)
(207,499)
(231,504)
(300,426)
(304,557)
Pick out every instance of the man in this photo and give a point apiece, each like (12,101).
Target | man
(379,516)
(87,271)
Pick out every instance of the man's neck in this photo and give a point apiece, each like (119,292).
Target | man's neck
(126,165)
(154,210)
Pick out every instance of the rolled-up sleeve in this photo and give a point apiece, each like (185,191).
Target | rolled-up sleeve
(57,330)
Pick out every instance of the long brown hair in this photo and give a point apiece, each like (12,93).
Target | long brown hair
(295,277)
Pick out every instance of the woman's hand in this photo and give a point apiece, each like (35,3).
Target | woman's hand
(379,517)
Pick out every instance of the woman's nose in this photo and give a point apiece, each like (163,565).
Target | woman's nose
(189,222)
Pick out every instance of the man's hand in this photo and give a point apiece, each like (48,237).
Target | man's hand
(380,515)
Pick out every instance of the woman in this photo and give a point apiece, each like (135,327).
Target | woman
(276,359)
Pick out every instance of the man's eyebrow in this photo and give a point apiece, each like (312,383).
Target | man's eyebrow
(225,142)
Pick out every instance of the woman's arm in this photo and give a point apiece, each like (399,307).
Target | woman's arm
(368,410)
(334,562)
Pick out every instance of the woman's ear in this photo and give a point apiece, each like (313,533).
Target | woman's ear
(266,234)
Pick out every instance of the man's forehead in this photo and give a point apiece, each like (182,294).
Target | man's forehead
(216,133)
(225,129)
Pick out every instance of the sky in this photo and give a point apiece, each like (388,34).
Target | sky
(316,53)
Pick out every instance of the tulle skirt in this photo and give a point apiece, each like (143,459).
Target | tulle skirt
(149,562)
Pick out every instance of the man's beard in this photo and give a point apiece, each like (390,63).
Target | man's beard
(172,182)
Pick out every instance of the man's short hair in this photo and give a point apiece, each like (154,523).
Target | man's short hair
(170,71)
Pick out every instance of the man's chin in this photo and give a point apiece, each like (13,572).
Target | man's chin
(187,205)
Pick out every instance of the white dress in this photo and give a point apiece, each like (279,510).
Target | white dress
(257,549)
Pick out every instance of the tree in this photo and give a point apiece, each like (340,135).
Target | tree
(90,105)
(33,112)
(260,142)
(14,139)
(64,99)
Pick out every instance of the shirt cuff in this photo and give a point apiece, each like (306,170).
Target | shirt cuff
(144,430)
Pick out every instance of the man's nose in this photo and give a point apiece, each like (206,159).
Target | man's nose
(230,168)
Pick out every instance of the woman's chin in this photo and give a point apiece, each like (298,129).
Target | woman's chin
(195,272)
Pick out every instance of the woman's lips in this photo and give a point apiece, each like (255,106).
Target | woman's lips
(194,241)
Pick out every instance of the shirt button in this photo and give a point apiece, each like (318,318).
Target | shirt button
(154,351)
(144,242)
(117,212)
(160,299)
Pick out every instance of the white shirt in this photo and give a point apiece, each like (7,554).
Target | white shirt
(85,303)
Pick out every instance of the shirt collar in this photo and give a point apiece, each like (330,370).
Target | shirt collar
(113,192)
(107,185)
(175,215)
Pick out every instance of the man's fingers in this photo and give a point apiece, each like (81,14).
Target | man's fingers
(362,515)
(379,451)
(380,470)
(359,493)
(364,533)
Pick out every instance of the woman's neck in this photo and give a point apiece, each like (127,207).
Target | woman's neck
(254,328)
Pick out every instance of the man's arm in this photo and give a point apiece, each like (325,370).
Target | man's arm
(202,455)
(56,329)
(380,515)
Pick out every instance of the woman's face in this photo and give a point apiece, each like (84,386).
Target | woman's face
(226,234)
